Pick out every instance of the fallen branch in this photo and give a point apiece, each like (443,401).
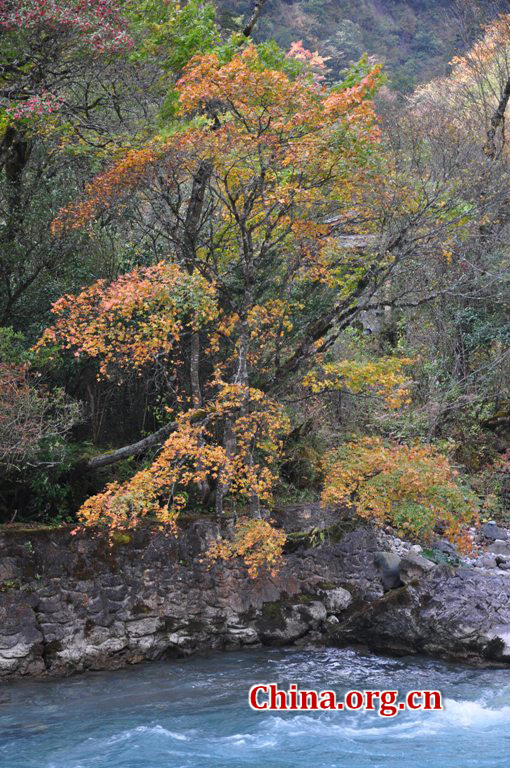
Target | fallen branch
(132,450)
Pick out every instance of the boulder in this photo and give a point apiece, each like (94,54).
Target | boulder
(388,564)
(336,600)
(447,548)
(452,613)
(282,624)
(413,567)
(500,547)
(492,530)
(486,561)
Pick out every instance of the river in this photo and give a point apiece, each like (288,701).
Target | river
(194,713)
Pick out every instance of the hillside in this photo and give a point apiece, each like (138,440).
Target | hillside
(415,39)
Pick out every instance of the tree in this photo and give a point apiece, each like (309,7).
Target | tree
(239,194)
(58,85)
(33,421)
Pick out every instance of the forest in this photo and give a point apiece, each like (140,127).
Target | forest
(238,272)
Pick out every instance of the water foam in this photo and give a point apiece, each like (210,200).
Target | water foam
(472,714)
(150,730)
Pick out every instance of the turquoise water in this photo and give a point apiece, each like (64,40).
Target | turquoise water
(195,713)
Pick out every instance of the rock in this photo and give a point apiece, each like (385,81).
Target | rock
(80,604)
(305,517)
(388,563)
(8,569)
(282,624)
(491,530)
(499,642)
(413,567)
(336,600)
(447,548)
(416,548)
(500,547)
(314,611)
(453,613)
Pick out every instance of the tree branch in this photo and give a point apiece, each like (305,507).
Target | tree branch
(132,450)
(253,18)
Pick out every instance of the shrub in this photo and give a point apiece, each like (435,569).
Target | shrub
(414,488)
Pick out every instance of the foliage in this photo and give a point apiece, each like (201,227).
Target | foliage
(384,377)
(414,39)
(192,456)
(413,488)
(12,346)
(33,423)
(76,28)
(172,31)
(244,257)
(134,320)
(258,543)
(275,149)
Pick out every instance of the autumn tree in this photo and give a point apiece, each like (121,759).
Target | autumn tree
(238,195)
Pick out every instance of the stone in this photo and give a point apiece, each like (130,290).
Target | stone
(413,567)
(9,570)
(315,611)
(492,530)
(283,626)
(336,600)
(447,548)
(486,561)
(153,596)
(500,547)
(388,563)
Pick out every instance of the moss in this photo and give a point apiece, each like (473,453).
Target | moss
(272,610)
(21,529)
(303,599)
(118,537)
(141,609)
(326,585)
(8,584)
(52,648)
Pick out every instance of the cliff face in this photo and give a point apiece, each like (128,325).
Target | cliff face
(68,604)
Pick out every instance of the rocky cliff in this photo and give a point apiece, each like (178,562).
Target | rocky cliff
(73,603)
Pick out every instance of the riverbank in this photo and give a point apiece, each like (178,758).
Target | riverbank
(73,603)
